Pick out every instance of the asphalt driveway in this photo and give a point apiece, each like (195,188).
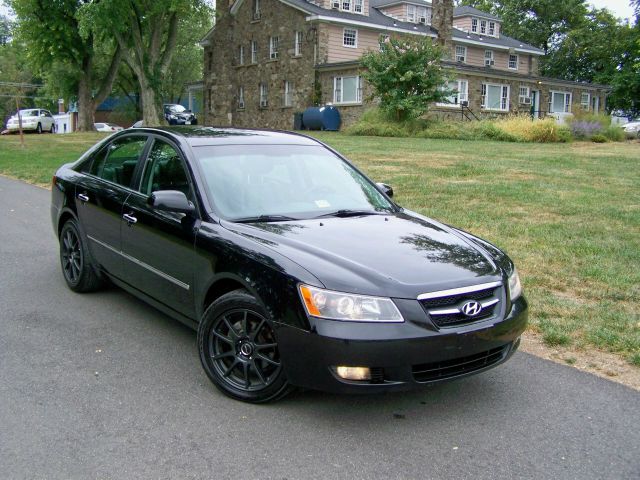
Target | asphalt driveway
(103,386)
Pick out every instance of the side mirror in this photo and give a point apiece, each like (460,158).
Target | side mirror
(386,189)
(171,201)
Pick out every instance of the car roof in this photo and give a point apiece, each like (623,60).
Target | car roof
(205,136)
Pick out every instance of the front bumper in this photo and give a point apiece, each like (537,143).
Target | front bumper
(402,356)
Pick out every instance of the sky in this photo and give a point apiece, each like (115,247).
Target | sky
(621,8)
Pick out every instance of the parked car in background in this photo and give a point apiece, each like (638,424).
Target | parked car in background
(293,266)
(36,119)
(137,124)
(107,127)
(632,128)
(178,115)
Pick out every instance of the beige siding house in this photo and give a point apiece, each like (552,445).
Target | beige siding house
(267,59)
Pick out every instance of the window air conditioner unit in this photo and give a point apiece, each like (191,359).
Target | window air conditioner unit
(335,5)
(464,103)
(263,103)
(256,15)
(526,100)
(422,20)
(240,105)
(489,63)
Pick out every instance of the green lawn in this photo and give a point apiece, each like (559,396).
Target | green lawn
(568,214)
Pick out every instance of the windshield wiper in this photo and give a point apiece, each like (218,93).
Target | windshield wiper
(264,218)
(350,213)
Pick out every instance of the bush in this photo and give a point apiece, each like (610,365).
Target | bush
(585,129)
(599,138)
(524,129)
(615,133)
(375,122)
(582,116)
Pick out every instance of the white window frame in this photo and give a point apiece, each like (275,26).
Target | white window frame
(474,25)
(338,90)
(384,38)
(346,5)
(515,64)
(483,27)
(505,94)
(412,16)
(287,100)
(492,29)
(422,12)
(461,93)
(567,100)
(523,93)
(241,55)
(273,47)
(264,95)
(357,6)
(355,37)
(461,53)
(256,10)
(586,106)
(254,51)
(240,97)
(488,57)
(298,38)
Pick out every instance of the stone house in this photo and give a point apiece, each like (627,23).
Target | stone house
(267,59)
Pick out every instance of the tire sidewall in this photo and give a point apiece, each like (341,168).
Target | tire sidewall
(231,301)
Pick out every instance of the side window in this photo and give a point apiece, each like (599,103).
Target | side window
(120,160)
(164,171)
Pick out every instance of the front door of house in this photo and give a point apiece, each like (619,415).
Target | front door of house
(535,104)
(595,104)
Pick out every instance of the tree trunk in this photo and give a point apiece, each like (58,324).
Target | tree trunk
(86,107)
(151,108)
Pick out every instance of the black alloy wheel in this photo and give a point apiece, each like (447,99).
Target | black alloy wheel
(239,350)
(77,267)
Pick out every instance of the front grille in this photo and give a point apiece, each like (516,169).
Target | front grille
(457,319)
(429,372)
(377,375)
(445,308)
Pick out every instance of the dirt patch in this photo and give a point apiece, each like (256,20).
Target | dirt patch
(602,364)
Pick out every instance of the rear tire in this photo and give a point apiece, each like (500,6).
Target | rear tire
(77,267)
(239,351)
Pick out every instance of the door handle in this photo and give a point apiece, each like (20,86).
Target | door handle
(83,197)
(131,220)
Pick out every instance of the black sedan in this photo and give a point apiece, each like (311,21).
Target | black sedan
(293,266)
(176,114)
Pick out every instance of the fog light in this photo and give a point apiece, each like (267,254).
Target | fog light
(354,373)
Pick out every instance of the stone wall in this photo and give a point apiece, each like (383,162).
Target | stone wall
(348,113)
(224,75)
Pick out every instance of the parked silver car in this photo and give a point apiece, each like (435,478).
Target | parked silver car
(37,119)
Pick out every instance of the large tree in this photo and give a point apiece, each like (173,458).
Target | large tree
(147,32)
(81,64)
(406,76)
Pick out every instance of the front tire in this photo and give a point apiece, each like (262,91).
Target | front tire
(39,128)
(239,351)
(77,268)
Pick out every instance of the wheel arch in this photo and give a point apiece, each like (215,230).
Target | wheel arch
(65,216)
(223,285)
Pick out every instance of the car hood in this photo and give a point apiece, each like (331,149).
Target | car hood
(399,255)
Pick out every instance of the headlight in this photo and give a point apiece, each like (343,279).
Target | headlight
(515,287)
(348,307)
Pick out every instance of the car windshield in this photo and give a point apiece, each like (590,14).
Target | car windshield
(28,113)
(177,108)
(285,182)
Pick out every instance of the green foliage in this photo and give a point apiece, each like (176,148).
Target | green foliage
(599,138)
(406,76)
(614,133)
(510,129)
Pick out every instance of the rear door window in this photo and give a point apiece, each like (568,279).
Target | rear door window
(119,163)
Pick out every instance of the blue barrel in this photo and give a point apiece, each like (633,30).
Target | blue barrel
(321,118)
